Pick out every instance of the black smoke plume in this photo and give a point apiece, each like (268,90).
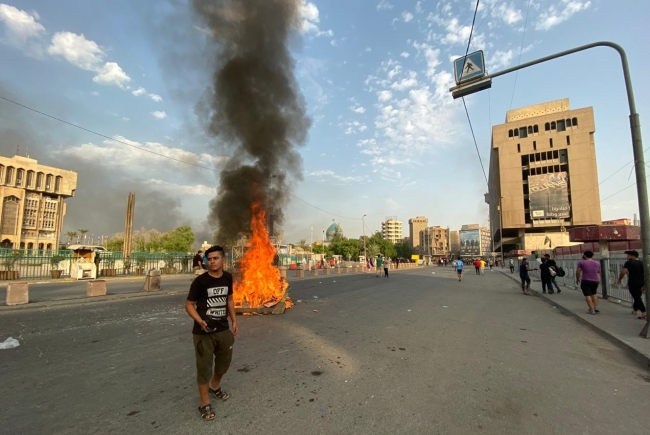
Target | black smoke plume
(254,107)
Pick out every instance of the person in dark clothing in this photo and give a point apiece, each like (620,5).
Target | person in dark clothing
(633,267)
(197,261)
(552,269)
(523,275)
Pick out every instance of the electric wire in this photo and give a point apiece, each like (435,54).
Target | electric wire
(147,150)
(521,48)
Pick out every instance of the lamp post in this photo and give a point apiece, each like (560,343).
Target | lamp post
(501,229)
(363,230)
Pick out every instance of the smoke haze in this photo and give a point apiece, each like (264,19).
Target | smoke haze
(254,108)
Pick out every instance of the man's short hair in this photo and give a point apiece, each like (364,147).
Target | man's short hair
(215,248)
(199,252)
(525,259)
(547,255)
(589,254)
(633,253)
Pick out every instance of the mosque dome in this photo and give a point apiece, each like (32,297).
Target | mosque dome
(333,231)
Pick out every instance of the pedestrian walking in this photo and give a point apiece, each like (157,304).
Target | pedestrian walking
(633,267)
(545,275)
(197,263)
(491,264)
(589,270)
(482,267)
(477,266)
(552,270)
(378,262)
(459,268)
(512,266)
(210,303)
(386,266)
(524,276)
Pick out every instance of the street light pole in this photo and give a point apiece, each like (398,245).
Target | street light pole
(637,144)
(363,229)
(501,229)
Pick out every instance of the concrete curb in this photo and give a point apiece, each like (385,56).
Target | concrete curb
(107,279)
(631,351)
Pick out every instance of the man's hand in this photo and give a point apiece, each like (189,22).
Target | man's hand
(204,325)
(234,328)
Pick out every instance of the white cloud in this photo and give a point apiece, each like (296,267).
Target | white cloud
(384,5)
(406,83)
(157,98)
(358,109)
(139,91)
(407,16)
(126,119)
(21,27)
(182,189)
(508,13)
(456,33)
(500,59)
(159,114)
(94,93)
(87,55)
(384,96)
(325,173)
(128,158)
(368,50)
(353,127)
(559,13)
(404,54)
(311,20)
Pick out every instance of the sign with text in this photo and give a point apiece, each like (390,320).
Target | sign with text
(470,243)
(549,196)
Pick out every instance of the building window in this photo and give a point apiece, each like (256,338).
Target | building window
(553,126)
(535,145)
(39,180)
(568,122)
(516,132)
(568,140)
(20,177)
(522,132)
(48,182)
(535,129)
(530,129)
(30,178)
(57,183)
(10,175)
(510,133)
(547,126)
(561,126)
(551,142)
(518,148)
(574,122)
(2,172)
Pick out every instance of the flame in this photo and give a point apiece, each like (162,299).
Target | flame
(261,283)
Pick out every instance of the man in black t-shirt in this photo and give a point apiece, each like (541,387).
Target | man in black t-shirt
(552,271)
(210,303)
(524,277)
(635,282)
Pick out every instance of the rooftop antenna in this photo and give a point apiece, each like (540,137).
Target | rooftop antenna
(17,150)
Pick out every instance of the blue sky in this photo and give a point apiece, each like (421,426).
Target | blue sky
(387,138)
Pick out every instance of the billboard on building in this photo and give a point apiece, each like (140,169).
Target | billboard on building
(470,243)
(549,196)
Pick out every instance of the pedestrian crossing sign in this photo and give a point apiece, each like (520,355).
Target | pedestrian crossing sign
(469,67)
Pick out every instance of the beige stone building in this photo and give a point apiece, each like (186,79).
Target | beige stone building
(416,225)
(543,177)
(391,229)
(434,241)
(33,207)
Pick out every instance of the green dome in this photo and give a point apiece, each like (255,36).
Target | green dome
(333,230)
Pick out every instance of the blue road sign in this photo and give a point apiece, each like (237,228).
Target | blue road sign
(469,67)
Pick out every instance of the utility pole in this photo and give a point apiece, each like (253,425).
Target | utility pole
(363,230)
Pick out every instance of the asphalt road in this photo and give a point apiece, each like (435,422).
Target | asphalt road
(414,354)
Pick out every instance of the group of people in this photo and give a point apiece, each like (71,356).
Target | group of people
(588,278)
(379,263)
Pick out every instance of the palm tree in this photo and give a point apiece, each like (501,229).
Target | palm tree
(303,243)
(83,234)
(71,235)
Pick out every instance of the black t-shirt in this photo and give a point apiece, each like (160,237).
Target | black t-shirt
(523,270)
(197,261)
(211,297)
(635,273)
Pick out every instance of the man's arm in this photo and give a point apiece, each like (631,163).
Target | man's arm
(231,314)
(578,273)
(191,310)
(622,275)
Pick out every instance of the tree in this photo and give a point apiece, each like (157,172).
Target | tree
(303,244)
(178,240)
(82,233)
(403,250)
(71,235)
(115,244)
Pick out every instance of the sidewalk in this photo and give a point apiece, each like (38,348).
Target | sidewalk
(614,322)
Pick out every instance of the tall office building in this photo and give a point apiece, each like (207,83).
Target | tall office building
(33,204)
(416,225)
(543,177)
(391,229)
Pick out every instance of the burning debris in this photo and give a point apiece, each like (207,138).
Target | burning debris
(256,112)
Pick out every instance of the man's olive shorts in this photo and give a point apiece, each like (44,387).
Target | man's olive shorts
(217,345)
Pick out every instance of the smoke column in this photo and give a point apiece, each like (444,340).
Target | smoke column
(255,108)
